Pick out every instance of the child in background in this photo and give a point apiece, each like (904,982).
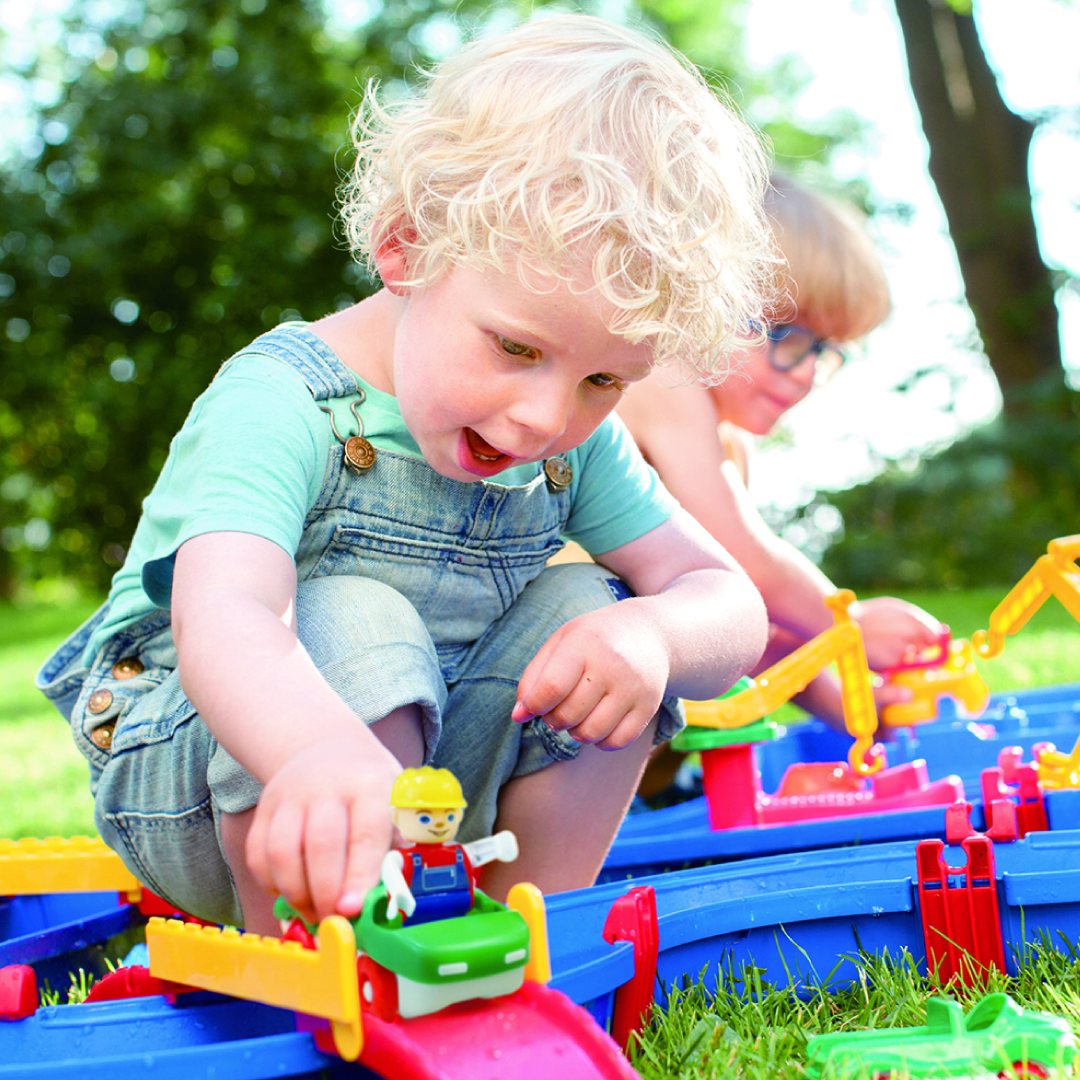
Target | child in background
(342,569)
(698,436)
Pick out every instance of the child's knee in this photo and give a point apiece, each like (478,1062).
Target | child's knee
(338,616)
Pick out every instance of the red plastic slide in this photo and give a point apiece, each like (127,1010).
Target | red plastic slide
(535,1032)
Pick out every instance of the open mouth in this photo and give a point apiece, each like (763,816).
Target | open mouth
(479,457)
(481,449)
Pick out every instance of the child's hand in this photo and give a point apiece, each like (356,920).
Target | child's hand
(322,826)
(890,627)
(600,677)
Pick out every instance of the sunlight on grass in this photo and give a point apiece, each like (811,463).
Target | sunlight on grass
(752,1030)
(44,788)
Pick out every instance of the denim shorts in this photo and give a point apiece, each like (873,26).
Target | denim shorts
(160,780)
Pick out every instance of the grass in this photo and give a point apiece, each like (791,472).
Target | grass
(749,1030)
(44,787)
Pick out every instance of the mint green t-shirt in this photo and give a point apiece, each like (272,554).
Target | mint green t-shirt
(252,455)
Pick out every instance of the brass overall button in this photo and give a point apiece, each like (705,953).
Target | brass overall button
(102,737)
(127,668)
(559,474)
(99,701)
(359,453)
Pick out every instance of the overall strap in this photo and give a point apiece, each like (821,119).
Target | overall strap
(313,360)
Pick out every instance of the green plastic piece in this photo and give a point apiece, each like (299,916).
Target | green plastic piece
(467,947)
(993,1038)
(702,738)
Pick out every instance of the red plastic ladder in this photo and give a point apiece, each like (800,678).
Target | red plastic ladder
(961,926)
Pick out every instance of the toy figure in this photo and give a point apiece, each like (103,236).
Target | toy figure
(433,877)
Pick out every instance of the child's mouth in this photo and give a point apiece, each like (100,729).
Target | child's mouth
(478,456)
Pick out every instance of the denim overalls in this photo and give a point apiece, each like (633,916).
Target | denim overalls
(412,588)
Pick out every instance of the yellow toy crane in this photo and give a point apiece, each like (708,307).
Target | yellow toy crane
(841,644)
(954,674)
(1054,574)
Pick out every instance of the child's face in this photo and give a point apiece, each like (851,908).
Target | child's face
(757,395)
(428,826)
(489,373)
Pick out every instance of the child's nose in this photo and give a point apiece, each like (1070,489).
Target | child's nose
(544,414)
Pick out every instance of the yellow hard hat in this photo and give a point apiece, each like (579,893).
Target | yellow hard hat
(427,789)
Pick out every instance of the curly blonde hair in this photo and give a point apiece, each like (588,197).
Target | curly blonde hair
(567,138)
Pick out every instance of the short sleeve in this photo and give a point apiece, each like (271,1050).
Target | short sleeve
(249,458)
(617,496)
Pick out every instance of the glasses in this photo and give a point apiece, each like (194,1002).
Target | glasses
(790,345)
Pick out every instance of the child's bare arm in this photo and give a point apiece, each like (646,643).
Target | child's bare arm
(322,825)
(675,427)
(696,624)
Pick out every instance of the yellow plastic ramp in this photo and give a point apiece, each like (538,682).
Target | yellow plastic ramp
(320,982)
(54,865)
(840,644)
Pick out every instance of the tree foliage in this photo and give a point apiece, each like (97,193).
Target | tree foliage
(181,204)
(979,513)
(179,201)
(982,510)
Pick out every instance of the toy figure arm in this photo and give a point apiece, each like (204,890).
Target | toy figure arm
(401,897)
(503,846)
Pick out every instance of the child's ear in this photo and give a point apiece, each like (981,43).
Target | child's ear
(392,254)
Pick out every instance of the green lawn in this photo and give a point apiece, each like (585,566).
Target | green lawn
(43,788)
(43,778)
(748,1030)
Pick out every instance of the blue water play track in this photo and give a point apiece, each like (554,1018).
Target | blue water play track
(677,837)
(807,916)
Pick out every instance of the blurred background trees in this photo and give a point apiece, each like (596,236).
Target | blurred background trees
(984,508)
(177,198)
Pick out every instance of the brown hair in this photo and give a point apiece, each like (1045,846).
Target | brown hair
(833,277)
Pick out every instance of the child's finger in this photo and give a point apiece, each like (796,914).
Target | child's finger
(283,852)
(325,838)
(552,674)
(577,706)
(368,842)
(614,722)
(627,729)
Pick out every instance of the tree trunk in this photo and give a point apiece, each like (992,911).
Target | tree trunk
(979,164)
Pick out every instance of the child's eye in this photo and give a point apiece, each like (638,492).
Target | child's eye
(425,819)
(603,381)
(515,348)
